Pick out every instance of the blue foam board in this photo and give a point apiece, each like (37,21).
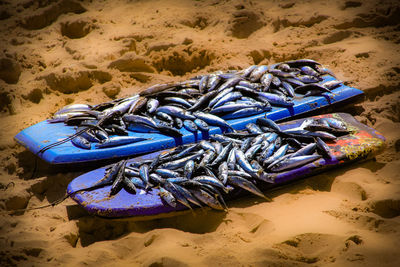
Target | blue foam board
(44,133)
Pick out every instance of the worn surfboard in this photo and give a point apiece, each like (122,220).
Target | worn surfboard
(44,133)
(363,143)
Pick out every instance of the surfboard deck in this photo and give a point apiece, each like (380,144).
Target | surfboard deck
(363,143)
(44,133)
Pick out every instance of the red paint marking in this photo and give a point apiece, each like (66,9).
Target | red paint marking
(357,138)
(354,139)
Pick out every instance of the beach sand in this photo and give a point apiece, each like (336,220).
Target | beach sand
(54,53)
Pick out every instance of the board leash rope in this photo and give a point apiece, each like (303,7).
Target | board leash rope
(54,203)
(69,138)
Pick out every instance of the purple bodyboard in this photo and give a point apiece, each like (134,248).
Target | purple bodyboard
(363,143)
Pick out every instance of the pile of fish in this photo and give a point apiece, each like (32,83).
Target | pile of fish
(202,173)
(195,104)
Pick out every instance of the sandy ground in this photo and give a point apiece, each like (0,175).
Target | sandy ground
(53,53)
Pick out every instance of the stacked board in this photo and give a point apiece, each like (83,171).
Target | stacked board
(362,143)
(44,133)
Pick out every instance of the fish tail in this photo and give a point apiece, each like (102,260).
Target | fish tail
(267,198)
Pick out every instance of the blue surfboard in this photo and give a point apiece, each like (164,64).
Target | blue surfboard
(363,143)
(44,133)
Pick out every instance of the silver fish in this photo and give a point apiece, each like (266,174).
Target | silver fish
(119,141)
(207,199)
(247,185)
(167,197)
(292,162)
(152,105)
(176,112)
(256,74)
(81,142)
